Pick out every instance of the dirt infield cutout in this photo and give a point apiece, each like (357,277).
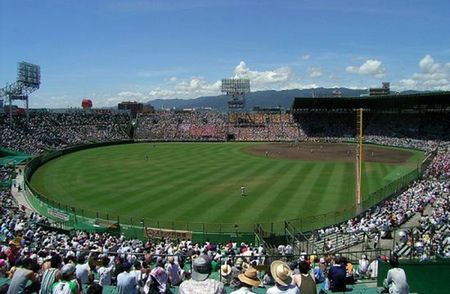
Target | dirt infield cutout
(343,152)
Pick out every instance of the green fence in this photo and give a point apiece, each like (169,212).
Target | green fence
(89,219)
(9,156)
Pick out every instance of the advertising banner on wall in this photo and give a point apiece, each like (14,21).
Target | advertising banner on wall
(58,214)
(168,234)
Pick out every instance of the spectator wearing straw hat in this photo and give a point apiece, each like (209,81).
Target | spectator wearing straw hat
(281,273)
(225,273)
(248,280)
(199,283)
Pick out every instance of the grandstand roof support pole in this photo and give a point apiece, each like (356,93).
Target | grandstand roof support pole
(359,158)
(27,113)
(10,111)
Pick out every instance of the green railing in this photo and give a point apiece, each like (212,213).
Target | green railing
(94,220)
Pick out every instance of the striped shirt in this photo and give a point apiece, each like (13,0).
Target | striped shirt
(48,278)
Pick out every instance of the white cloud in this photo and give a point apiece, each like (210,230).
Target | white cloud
(407,84)
(370,67)
(306,57)
(197,86)
(298,85)
(130,94)
(120,97)
(262,79)
(427,64)
(315,72)
(184,89)
(280,78)
(432,75)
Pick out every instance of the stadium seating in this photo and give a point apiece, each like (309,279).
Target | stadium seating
(54,131)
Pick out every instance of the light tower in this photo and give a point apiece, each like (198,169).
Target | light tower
(28,80)
(236,90)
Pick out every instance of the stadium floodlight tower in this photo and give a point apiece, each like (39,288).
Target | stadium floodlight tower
(236,90)
(28,80)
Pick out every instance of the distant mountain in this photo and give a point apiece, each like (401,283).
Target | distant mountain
(270,98)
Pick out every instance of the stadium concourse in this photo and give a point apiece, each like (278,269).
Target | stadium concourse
(34,251)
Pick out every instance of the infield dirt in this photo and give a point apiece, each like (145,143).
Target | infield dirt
(341,152)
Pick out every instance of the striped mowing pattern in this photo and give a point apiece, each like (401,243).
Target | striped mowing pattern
(200,182)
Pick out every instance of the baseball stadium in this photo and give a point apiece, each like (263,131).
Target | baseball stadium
(224,147)
(328,175)
(288,173)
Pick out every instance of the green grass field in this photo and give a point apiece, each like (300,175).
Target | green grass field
(200,182)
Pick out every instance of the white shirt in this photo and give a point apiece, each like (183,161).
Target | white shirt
(126,283)
(396,281)
(174,273)
(290,289)
(105,274)
(82,273)
(373,268)
(363,265)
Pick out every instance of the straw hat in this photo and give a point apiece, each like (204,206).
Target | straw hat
(281,272)
(249,277)
(225,270)
(15,242)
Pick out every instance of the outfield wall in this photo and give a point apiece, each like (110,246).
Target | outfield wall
(97,220)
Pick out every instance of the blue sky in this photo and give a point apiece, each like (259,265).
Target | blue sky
(118,50)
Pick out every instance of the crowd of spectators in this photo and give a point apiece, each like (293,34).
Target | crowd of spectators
(432,234)
(403,126)
(429,238)
(186,125)
(50,131)
(391,129)
(441,166)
